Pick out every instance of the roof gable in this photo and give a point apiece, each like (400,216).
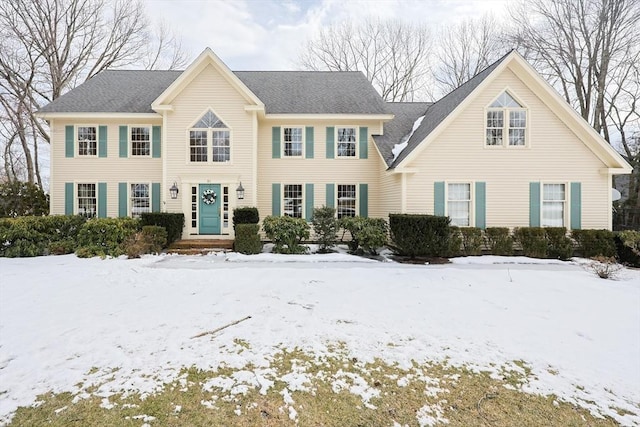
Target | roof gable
(207,57)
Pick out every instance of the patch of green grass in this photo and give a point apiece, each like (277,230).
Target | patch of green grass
(335,390)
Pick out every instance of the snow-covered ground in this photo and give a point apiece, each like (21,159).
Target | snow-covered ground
(62,316)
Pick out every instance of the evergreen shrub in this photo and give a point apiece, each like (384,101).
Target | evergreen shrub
(471,240)
(533,241)
(105,236)
(37,235)
(172,222)
(287,233)
(594,243)
(559,245)
(419,235)
(246,215)
(367,234)
(499,241)
(628,247)
(247,239)
(325,227)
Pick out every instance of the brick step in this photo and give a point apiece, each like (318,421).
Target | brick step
(201,244)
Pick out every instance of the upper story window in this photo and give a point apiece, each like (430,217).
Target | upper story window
(292,142)
(140,138)
(87,141)
(209,140)
(506,122)
(346,139)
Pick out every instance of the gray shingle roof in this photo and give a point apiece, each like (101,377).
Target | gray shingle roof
(120,91)
(437,112)
(114,91)
(406,114)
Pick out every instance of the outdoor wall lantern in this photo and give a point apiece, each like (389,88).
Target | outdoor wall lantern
(174,191)
(240,191)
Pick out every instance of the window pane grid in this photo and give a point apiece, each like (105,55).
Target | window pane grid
(221,148)
(553,202)
(140,200)
(198,145)
(459,204)
(346,200)
(194,207)
(346,142)
(292,142)
(293,200)
(87,145)
(495,123)
(87,202)
(140,141)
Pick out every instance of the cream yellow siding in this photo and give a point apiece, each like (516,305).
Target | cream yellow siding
(319,170)
(553,154)
(209,90)
(111,169)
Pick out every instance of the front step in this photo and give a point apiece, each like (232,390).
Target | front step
(200,246)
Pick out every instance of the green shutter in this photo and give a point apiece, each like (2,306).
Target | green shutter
(102,200)
(155,197)
(331,195)
(481,205)
(576,206)
(308,142)
(124,141)
(102,141)
(330,142)
(68,197)
(156,141)
(364,142)
(122,199)
(534,204)
(275,142)
(364,200)
(438,198)
(308,202)
(275,199)
(69,138)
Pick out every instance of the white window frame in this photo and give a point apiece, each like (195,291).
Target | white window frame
(213,131)
(209,133)
(470,201)
(355,142)
(77,140)
(356,198)
(564,202)
(131,151)
(206,147)
(302,199)
(77,198)
(284,142)
(506,122)
(130,198)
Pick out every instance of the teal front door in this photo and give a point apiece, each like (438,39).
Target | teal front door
(209,209)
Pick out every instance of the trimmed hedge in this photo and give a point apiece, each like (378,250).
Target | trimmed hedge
(325,227)
(419,235)
(559,245)
(499,241)
(593,243)
(172,222)
(247,239)
(39,235)
(245,216)
(471,240)
(533,241)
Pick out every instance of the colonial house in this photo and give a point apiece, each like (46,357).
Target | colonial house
(504,149)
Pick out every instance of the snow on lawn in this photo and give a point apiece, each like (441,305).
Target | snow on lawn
(63,317)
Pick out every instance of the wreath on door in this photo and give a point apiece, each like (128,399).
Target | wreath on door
(209,197)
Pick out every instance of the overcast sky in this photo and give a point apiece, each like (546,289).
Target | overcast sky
(269,34)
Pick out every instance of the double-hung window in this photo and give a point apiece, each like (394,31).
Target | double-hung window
(346,205)
(87,141)
(346,139)
(293,200)
(209,140)
(140,137)
(87,202)
(553,205)
(292,142)
(459,204)
(506,122)
(140,199)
